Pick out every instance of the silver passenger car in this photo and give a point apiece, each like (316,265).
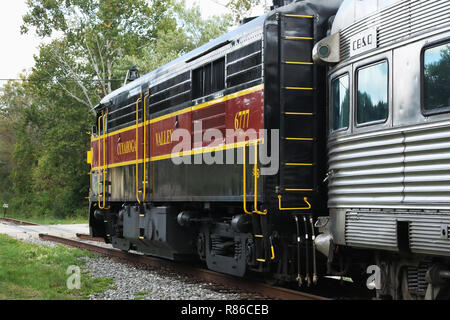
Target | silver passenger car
(389,141)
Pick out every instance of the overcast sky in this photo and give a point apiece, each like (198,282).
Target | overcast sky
(17,50)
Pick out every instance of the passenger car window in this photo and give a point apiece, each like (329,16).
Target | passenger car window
(341,102)
(436,86)
(372,96)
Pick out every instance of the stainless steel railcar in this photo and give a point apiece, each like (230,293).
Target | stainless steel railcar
(389,144)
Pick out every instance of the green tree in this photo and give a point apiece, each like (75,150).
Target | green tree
(93,36)
(44,121)
(191,32)
(241,8)
(19,140)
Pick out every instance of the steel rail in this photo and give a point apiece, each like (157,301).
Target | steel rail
(83,236)
(18,222)
(227,281)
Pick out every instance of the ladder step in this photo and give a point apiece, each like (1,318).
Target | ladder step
(299,190)
(299,16)
(298,114)
(299,139)
(299,164)
(299,88)
(297,38)
(299,63)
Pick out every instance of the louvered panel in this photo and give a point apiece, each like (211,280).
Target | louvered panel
(368,230)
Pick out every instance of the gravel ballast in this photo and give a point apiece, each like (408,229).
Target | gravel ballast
(135,283)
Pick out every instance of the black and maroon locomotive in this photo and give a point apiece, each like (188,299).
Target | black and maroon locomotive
(162,181)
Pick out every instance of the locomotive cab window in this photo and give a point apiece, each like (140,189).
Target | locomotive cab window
(341,102)
(372,93)
(436,79)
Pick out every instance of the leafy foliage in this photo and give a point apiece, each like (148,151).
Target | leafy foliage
(241,8)
(190,33)
(44,124)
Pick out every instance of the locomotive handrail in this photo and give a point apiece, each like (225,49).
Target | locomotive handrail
(137,148)
(144,181)
(99,162)
(292,209)
(104,160)
(245,181)
(256,174)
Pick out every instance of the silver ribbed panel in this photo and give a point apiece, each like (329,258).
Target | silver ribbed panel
(400,21)
(367,172)
(425,231)
(407,169)
(373,229)
(427,167)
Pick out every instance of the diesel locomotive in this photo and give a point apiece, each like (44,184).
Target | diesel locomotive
(309,141)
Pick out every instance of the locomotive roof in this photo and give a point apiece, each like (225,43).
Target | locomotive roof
(325,7)
(249,27)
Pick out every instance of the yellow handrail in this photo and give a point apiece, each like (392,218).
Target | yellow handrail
(104,160)
(99,162)
(245,181)
(290,209)
(257,175)
(145,182)
(137,148)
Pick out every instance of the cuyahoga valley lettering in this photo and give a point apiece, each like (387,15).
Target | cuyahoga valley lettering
(164,137)
(126,147)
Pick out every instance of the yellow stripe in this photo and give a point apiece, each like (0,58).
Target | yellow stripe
(298,16)
(235,145)
(299,164)
(298,38)
(186,110)
(302,63)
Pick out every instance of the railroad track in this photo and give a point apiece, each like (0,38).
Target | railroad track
(199,274)
(18,222)
(82,236)
(229,282)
